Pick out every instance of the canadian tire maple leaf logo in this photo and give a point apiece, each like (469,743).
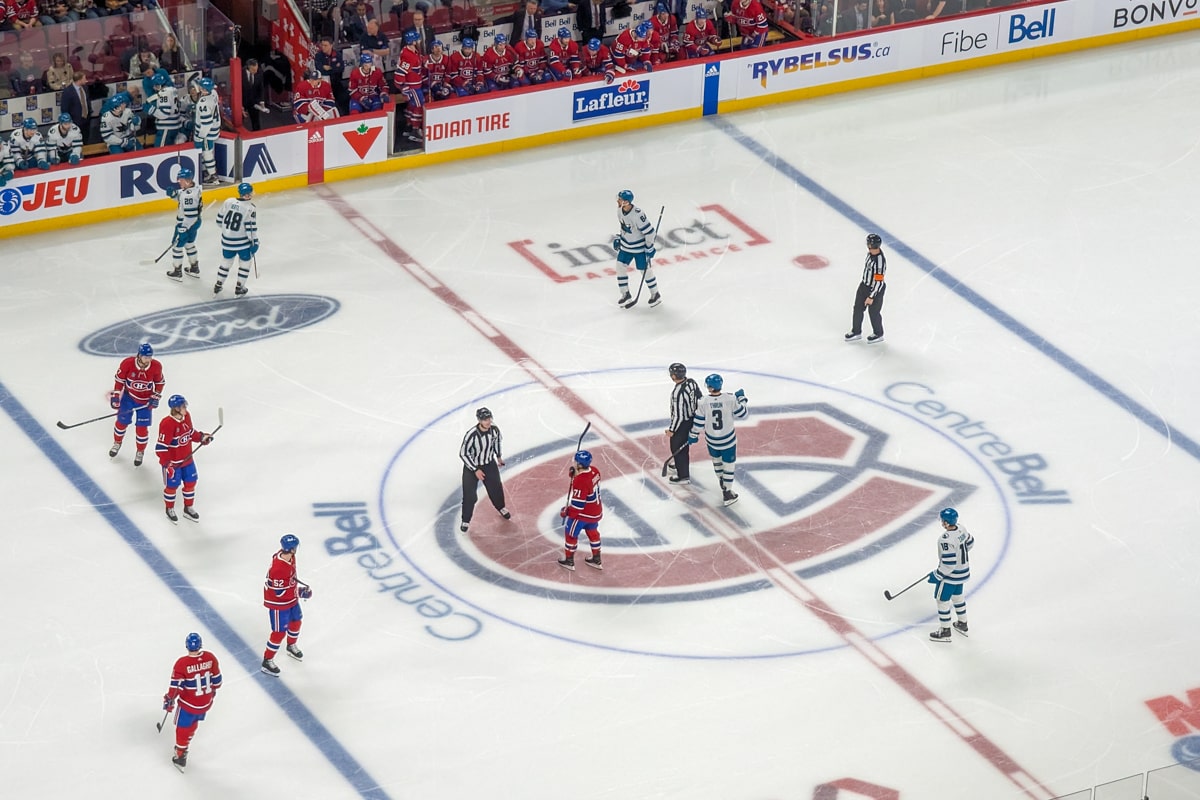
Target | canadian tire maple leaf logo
(362,138)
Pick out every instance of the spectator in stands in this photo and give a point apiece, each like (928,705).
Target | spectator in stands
(554,8)
(116,8)
(375,43)
(57,11)
(354,24)
(592,19)
(171,57)
(78,107)
(937,8)
(84,9)
(320,17)
(526,18)
(329,62)
(26,78)
(58,75)
(425,35)
(144,62)
(855,17)
(882,13)
(23,14)
(218,45)
(252,94)
(904,11)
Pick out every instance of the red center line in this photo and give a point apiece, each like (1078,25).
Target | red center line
(635,454)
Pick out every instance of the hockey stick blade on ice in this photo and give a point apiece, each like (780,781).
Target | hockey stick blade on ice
(653,241)
(667,464)
(160,725)
(890,596)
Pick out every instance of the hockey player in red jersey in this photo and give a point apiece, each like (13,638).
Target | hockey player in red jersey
(174,451)
(498,64)
(367,89)
(313,99)
(583,512)
(632,51)
(194,683)
(137,388)
(282,594)
(700,37)
(562,57)
(751,22)
(437,72)
(531,61)
(408,80)
(596,60)
(667,30)
(467,70)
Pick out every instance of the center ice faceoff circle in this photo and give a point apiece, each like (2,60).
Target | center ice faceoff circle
(833,487)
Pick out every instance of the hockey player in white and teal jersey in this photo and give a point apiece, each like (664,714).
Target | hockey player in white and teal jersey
(7,166)
(164,107)
(187,225)
(27,147)
(715,415)
(953,570)
(634,244)
(238,221)
(119,125)
(206,118)
(64,142)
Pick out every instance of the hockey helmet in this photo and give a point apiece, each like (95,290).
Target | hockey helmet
(312,75)
(701,13)
(873,240)
(625,196)
(949,516)
(583,458)
(186,174)
(289,542)
(593,45)
(437,43)
(531,34)
(661,8)
(564,33)
(501,38)
(176,401)
(193,642)
(483,412)
(643,30)
(468,43)
(714,382)
(64,119)
(159,79)
(146,351)
(245,190)
(207,84)
(678,370)
(367,58)
(29,124)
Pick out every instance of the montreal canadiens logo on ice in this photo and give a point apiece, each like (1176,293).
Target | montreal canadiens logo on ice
(627,96)
(208,325)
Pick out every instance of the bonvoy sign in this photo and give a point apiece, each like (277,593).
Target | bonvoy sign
(205,326)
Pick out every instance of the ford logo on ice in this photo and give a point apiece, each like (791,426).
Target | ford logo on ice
(207,325)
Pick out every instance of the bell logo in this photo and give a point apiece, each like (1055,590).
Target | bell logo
(361,139)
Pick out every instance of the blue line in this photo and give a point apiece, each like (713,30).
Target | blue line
(1126,403)
(288,702)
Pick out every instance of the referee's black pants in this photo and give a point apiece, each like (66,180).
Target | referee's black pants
(683,458)
(491,482)
(874,311)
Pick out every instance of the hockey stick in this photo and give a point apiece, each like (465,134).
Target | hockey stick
(254,261)
(889,596)
(159,725)
(578,445)
(634,301)
(66,427)
(220,424)
(667,463)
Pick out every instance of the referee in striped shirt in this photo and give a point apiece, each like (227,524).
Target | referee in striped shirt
(684,398)
(482,459)
(869,297)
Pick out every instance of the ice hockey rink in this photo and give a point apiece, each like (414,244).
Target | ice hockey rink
(1038,373)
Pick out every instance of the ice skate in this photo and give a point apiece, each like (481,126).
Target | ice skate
(171,516)
(180,759)
(940,635)
(112,451)
(137,457)
(961,627)
(268,667)
(675,480)
(655,299)
(295,652)
(625,298)
(240,291)
(874,338)
(193,270)
(177,273)
(463,527)
(853,337)
(217,287)
(567,563)
(190,513)
(728,497)
(504,512)
(593,562)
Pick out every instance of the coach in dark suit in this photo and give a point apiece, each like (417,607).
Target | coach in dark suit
(76,105)
(592,19)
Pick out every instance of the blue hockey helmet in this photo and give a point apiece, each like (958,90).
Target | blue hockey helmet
(193,642)
(873,240)
(206,84)
(186,174)
(594,45)
(468,43)
(701,13)
(949,516)
(367,58)
(245,190)
(64,119)
(625,196)
(289,542)
(29,124)
(714,382)
(661,8)
(501,38)
(159,79)
(176,400)
(531,34)
(437,43)
(411,36)
(564,33)
(583,458)
(146,350)
(643,30)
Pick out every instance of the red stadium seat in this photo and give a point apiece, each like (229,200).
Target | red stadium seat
(439,19)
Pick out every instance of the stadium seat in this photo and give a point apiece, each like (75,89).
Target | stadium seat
(439,19)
